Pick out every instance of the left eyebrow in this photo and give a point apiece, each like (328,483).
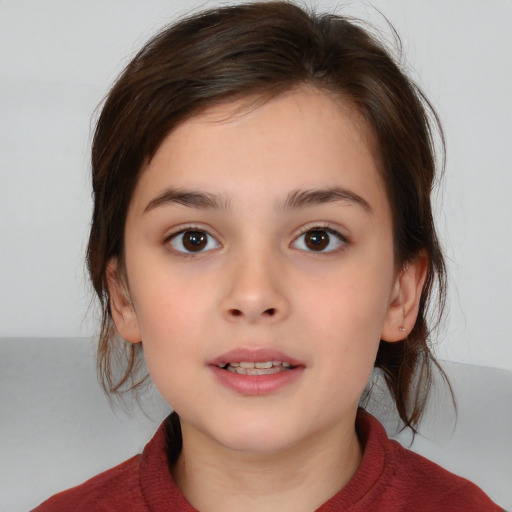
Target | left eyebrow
(189,198)
(304,198)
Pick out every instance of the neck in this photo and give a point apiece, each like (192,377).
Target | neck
(214,478)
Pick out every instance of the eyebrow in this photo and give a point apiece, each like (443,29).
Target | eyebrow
(190,198)
(304,198)
(295,200)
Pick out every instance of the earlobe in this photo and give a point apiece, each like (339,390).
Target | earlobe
(405,300)
(121,307)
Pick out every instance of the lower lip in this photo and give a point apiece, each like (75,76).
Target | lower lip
(256,385)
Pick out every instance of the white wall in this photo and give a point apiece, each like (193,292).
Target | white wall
(57,60)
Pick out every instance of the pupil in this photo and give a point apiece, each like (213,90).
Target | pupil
(317,240)
(194,240)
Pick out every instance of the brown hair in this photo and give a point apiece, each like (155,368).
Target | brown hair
(265,49)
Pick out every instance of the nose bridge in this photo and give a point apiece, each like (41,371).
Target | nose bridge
(256,289)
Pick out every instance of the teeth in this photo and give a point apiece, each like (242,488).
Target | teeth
(262,364)
(257,368)
(267,364)
(255,371)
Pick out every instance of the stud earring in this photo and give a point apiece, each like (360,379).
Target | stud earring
(402,329)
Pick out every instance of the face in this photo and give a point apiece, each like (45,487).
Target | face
(264,237)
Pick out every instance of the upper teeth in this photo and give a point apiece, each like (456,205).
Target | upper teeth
(259,365)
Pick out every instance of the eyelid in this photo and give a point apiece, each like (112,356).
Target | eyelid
(181,228)
(169,236)
(322,226)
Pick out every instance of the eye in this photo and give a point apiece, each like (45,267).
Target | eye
(319,240)
(193,240)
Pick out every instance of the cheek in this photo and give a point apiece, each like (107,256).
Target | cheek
(166,352)
(352,304)
(347,318)
(168,302)
(168,322)
(174,316)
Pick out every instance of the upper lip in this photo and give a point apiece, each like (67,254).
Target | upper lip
(256,355)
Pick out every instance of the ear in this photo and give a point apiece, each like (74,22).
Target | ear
(405,300)
(121,307)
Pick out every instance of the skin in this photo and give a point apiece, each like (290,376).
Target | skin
(257,284)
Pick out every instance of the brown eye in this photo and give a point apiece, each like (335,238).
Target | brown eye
(316,240)
(320,240)
(193,241)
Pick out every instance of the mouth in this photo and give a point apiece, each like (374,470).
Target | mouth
(257,367)
(256,371)
(255,361)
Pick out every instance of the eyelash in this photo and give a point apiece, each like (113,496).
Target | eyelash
(173,236)
(325,228)
(343,240)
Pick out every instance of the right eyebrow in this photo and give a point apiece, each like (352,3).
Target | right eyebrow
(190,198)
(304,198)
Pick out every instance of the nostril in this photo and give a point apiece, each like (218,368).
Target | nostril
(238,312)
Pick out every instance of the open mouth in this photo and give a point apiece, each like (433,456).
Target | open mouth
(257,368)
(256,372)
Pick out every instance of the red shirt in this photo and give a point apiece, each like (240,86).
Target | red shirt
(389,478)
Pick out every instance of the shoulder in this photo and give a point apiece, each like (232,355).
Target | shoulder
(429,487)
(109,491)
(140,484)
(127,486)
(395,478)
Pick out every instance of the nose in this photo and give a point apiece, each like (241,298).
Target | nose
(255,291)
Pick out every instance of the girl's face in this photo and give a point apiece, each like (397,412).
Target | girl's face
(262,237)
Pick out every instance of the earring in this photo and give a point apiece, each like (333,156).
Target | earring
(402,329)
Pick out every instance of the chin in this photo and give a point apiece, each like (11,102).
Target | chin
(257,436)
(259,445)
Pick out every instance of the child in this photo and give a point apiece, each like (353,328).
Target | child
(262,233)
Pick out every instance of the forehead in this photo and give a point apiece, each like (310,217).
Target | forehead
(305,138)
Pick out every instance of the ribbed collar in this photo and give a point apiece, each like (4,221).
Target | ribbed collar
(161,492)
